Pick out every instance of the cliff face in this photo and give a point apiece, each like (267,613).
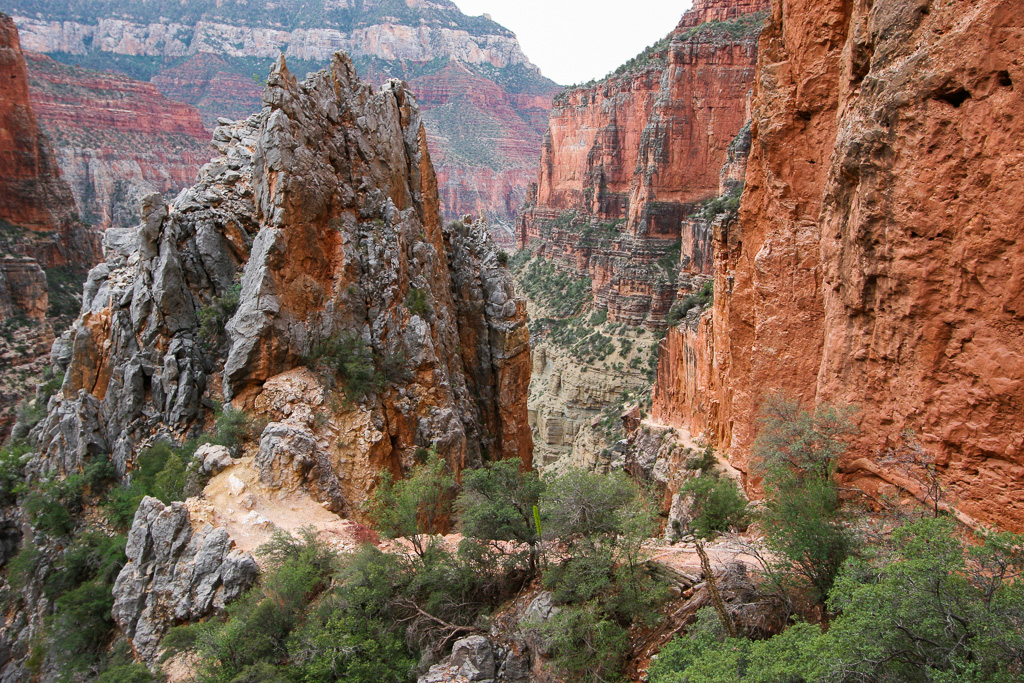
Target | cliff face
(628,167)
(33,197)
(39,231)
(116,139)
(875,261)
(635,155)
(212,55)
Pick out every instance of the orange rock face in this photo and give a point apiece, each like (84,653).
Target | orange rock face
(877,260)
(634,155)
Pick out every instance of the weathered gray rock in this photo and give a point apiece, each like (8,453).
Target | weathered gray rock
(174,575)
(214,458)
(291,459)
(475,658)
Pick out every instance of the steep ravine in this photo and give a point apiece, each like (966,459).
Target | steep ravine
(623,207)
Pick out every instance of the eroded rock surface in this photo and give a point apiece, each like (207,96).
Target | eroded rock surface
(174,574)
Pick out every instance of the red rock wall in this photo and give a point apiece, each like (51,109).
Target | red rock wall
(878,259)
(117,138)
(32,195)
(637,153)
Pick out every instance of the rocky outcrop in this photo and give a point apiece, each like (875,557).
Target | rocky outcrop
(22,289)
(174,574)
(116,139)
(487,104)
(875,262)
(324,205)
(628,168)
(319,217)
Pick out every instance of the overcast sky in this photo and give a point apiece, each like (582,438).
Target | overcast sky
(573,41)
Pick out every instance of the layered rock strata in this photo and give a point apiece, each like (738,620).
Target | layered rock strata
(39,231)
(875,262)
(116,139)
(37,212)
(488,104)
(625,161)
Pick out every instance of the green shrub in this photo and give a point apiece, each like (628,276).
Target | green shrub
(22,567)
(126,673)
(586,645)
(349,357)
(52,506)
(418,303)
(94,556)
(81,625)
(416,507)
(12,466)
(798,451)
(497,504)
(99,474)
(599,317)
(705,462)
(162,471)
(214,316)
(502,258)
(925,608)
(718,503)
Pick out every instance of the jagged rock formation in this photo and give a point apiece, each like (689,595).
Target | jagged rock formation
(323,209)
(875,261)
(325,204)
(627,167)
(469,74)
(116,139)
(174,574)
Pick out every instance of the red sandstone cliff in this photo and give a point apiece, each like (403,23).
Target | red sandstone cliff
(640,151)
(877,259)
(39,229)
(32,194)
(117,139)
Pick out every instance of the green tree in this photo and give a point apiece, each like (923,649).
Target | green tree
(798,451)
(717,503)
(417,507)
(927,609)
(496,504)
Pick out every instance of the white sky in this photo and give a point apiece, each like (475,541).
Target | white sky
(573,41)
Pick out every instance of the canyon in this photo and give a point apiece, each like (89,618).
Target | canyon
(627,171)
(39,232)
(485,104)
(116,139)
